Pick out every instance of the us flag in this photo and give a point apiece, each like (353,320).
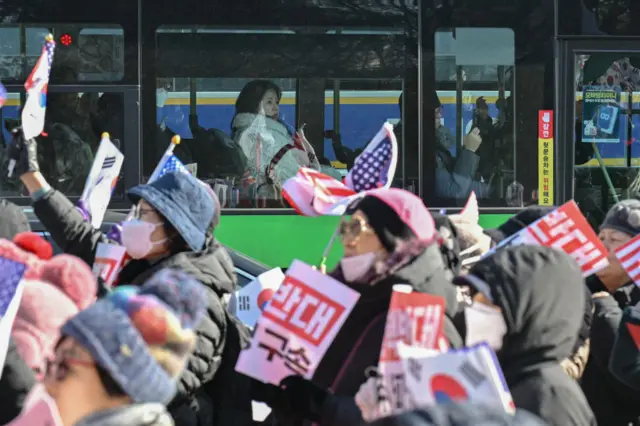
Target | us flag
(170,164)
(629,257)
(312,193)
(375,167)
(12,273)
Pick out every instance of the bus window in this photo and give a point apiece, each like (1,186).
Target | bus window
(355,110)
(18,61)
(73,125)
(474,116)
(271,83)
(84,52)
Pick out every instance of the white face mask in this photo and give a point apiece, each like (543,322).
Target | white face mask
(136,237)
(484,324)
(161,97)
(354,267)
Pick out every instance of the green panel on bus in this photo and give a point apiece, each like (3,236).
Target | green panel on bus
(276,240)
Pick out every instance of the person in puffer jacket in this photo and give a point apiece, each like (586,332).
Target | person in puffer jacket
(389,239)
(529,306)
(118,361)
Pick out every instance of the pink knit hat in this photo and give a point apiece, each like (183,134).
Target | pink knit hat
(54,290)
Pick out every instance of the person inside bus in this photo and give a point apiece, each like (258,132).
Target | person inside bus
(388,238)
(274,150)
(455,174)
(172,226)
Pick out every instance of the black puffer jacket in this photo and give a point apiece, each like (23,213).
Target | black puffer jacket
(212,267)
(17,380)
(540,291)
(460,414)
(613,402)
(357,344)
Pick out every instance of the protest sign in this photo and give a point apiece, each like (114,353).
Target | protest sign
(600,114)
(297,326)
(108,262)
(101,181)
(11,286)
(629,257)
(414,319)
(249,302)
(565,229)
(469,374)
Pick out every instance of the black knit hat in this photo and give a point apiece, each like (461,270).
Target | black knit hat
(13,221)
(384,221)
(624,217)
(518,222)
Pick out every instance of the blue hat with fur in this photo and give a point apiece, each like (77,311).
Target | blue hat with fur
(183,201)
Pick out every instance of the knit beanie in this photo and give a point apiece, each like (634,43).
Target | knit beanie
(624,217)
(142,336)
(12,220)
(385,222)
(524,218)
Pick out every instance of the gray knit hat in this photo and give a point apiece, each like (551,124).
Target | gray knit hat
(624,217)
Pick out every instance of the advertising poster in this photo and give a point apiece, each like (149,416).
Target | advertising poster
(601,114)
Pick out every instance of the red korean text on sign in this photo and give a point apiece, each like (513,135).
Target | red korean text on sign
(545,124)
(303,311)
(415,319)
(568,230)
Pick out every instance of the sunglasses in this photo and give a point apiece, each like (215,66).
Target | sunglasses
(58,369)
(353,228)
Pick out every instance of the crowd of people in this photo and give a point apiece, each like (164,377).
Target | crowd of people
(160,346)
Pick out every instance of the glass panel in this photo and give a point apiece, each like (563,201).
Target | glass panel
(74,123)
(362,107)
(607,115)
(475,128)
(233,130)
(84,52)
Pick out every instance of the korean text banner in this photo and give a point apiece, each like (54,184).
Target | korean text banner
(110,259)
(545,158)
(414,319)
(297,326)
(566,229)
(469,374)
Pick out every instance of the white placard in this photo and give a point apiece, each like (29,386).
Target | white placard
(297,326)
(109,261)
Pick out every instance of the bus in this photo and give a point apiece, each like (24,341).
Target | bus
(144,71)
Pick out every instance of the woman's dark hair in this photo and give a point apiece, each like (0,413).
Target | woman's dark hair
(177,244)
(251,95)
(112,388)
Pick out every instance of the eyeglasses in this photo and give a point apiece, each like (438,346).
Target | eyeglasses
(58,368)
(353,228)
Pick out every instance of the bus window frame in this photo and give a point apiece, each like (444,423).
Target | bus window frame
(131,139)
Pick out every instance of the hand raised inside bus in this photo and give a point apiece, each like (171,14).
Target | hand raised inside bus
(473,140)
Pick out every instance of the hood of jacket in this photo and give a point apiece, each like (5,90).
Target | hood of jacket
(130,415)
(540,291)
(212,266)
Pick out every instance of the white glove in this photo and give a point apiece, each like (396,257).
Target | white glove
(372,401)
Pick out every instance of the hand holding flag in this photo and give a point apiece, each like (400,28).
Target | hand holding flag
(312,193)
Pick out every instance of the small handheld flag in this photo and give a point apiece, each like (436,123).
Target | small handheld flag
(36,86)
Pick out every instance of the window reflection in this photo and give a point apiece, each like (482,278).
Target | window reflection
(474,111)
(308,108)
(74,123)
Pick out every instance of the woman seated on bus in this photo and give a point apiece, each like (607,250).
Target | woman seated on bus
(275,151)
